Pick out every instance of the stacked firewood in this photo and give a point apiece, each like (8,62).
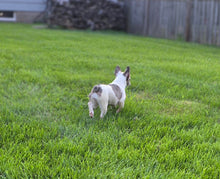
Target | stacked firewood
(87,14)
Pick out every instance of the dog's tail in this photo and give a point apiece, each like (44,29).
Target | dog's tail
(96,89)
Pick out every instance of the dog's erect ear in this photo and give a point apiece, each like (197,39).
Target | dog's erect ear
(127,75)
(117,69)
(127,72)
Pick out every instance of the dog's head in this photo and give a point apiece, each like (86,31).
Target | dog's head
(125,76)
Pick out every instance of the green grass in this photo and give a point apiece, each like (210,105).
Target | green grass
(169,128)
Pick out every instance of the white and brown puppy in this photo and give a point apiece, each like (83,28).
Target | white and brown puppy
(112,94)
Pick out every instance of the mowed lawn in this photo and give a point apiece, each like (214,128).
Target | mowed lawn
(169,127)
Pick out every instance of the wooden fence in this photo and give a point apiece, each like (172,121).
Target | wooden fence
(192,20)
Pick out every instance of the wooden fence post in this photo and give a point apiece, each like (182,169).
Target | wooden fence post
(145,17)
(189,20)
(148,17)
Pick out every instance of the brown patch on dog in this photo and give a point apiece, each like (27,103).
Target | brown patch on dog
(116,90)
(96,89)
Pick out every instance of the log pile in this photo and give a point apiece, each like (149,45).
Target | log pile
(87,14)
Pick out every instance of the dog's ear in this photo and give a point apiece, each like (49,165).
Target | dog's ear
(127,72)
(127,75)
(117,69)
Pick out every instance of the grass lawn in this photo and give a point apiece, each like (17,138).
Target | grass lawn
(169,128)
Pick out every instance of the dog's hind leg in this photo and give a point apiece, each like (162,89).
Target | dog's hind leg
(91,112)
(92,104)
(121,105)
(103,107)
(103,111)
